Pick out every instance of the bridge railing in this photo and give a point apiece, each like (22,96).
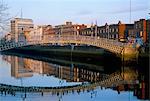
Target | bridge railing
(109,44)
(83,38)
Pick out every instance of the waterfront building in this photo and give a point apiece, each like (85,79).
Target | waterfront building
(113,31)
(48,31)
(86,32)
(110,31)
(34,35)
(64,30)
(18,25)
(68,29)
(148,29)
(123,31)
(141,30)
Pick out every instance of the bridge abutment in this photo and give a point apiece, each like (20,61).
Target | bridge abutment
(130,54)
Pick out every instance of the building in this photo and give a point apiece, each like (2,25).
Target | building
(35,34)
(123,31)
(87,32)
(113,31)
(141,30)
(78,27)
(148,29)
(68,29)
(48,31)
(109,31)
(18,25)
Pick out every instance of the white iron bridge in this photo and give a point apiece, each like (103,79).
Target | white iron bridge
(108,44)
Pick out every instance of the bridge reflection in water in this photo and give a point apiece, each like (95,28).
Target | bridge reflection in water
(120,79)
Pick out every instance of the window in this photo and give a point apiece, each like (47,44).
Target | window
(136,26)
(116,29)
(113,30)
(100,31)
(110,30)
(104,31)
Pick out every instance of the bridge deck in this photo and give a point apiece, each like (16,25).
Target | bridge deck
(110,45)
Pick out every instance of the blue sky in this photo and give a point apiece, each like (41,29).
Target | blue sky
(79,11)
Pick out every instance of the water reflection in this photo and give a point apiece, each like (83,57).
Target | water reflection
(135,80)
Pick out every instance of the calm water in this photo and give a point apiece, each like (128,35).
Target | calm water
(20,71)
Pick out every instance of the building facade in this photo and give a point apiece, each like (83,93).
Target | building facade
(148,30)
(48,31)
(141,30)
(35,34)
(113,31)
(68,29)
(18,25)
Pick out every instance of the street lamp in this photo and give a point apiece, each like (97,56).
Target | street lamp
(96,30)
(78,30)
(107,29)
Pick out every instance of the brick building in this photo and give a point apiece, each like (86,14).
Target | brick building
(113,31)
(68,29)
(141,30)
(148,29)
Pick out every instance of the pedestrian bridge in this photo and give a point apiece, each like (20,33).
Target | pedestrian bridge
(108,44)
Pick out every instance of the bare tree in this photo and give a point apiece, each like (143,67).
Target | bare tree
(4,16)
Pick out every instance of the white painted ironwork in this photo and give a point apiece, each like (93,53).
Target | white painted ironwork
(108,44)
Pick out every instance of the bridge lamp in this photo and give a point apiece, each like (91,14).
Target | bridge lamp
(107,29)
(78,30)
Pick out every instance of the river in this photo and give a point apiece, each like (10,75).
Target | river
(19,70)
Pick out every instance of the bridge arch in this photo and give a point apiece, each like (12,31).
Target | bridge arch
(111,45)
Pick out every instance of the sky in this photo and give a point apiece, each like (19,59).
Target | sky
(55,12)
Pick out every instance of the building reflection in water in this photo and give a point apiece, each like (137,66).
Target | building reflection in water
(23,67)
(18,68)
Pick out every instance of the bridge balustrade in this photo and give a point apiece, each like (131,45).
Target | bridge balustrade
(109,44)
